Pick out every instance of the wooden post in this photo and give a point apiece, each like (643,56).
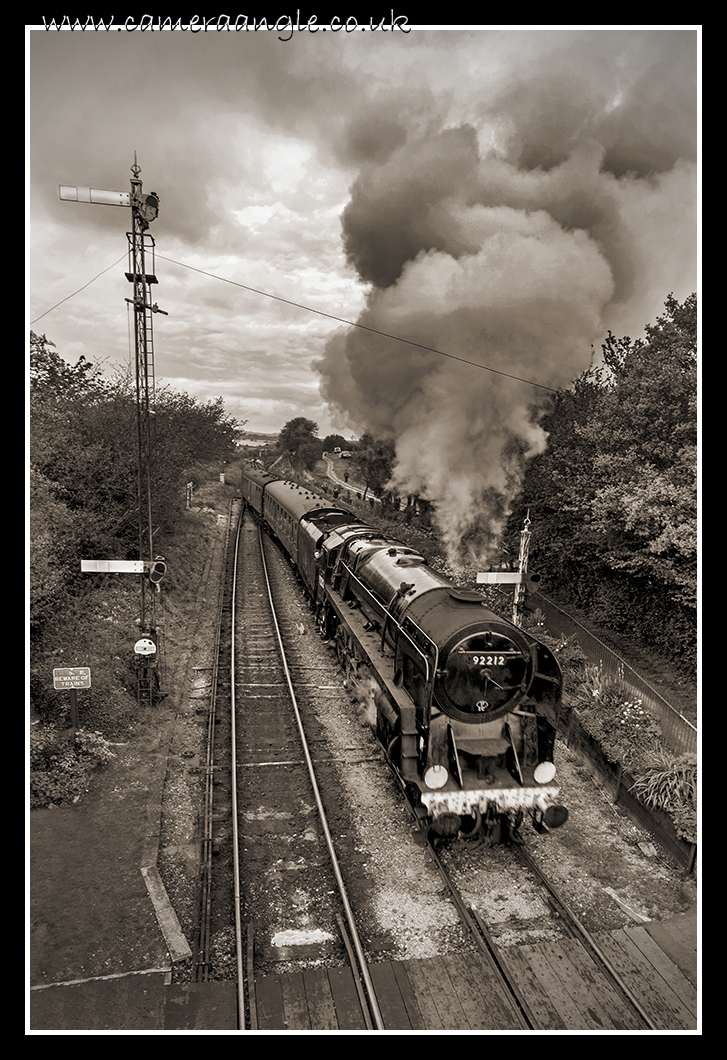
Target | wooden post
(74,710)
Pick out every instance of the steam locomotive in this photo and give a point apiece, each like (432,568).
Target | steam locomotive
(465,703)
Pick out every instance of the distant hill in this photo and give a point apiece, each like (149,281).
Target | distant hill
(251,438)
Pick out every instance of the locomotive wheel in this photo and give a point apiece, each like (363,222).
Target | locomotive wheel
(392,749)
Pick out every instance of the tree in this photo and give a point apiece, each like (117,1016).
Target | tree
(296,432)
(644,437)
(376,461)
(556,485)
(613,497)
(309,453)
(52,534)
(334,441)
(84,462)
(51,376)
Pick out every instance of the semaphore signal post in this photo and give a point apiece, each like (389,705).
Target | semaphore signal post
(150,567)
(520,579)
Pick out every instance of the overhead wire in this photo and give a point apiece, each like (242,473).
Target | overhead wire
(319,312)
(68,296)
(356,324)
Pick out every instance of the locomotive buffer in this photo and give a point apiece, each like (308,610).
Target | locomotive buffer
(144,210)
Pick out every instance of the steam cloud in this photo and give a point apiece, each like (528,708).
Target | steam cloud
(563,207)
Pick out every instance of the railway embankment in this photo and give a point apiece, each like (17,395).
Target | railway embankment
(619,782)
(91,914)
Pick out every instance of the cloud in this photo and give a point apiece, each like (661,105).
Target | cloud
(448,186)
(513,240)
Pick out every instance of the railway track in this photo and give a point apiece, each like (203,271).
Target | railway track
(284,836)
(291,904)
(282,820)
(212,912)
(559,923)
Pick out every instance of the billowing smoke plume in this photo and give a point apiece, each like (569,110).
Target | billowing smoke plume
(563,207)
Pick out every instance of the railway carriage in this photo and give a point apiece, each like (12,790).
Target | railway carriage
(299,518)
(252,486)
(466,703)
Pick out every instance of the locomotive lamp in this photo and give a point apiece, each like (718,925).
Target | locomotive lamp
(544,772)
(436,777)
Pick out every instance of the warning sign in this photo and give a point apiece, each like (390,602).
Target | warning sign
(72,677)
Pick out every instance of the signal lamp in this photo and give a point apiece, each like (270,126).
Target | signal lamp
(157,571)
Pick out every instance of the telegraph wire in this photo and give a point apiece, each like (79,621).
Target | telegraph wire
(77,292)
(309,309)
(353,324)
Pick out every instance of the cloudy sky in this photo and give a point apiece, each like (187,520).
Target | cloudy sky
(502,196)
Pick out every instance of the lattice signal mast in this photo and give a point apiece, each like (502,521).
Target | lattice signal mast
(144,210)
(518,603)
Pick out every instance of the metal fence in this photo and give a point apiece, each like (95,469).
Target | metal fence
(677,732)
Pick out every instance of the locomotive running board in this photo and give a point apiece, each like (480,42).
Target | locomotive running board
(383,671)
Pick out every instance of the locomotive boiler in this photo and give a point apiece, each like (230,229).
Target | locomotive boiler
(466,703)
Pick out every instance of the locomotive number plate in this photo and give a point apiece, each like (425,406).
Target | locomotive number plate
(495,658)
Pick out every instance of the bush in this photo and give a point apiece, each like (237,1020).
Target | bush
(97,630)
(622,726)
(668,782)
(61,764)
(567,650)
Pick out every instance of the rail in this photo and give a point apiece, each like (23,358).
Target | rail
(490,951)
(235,828)
(350,934)
(580,932)
(486,946)
(354,936)
(202,943)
